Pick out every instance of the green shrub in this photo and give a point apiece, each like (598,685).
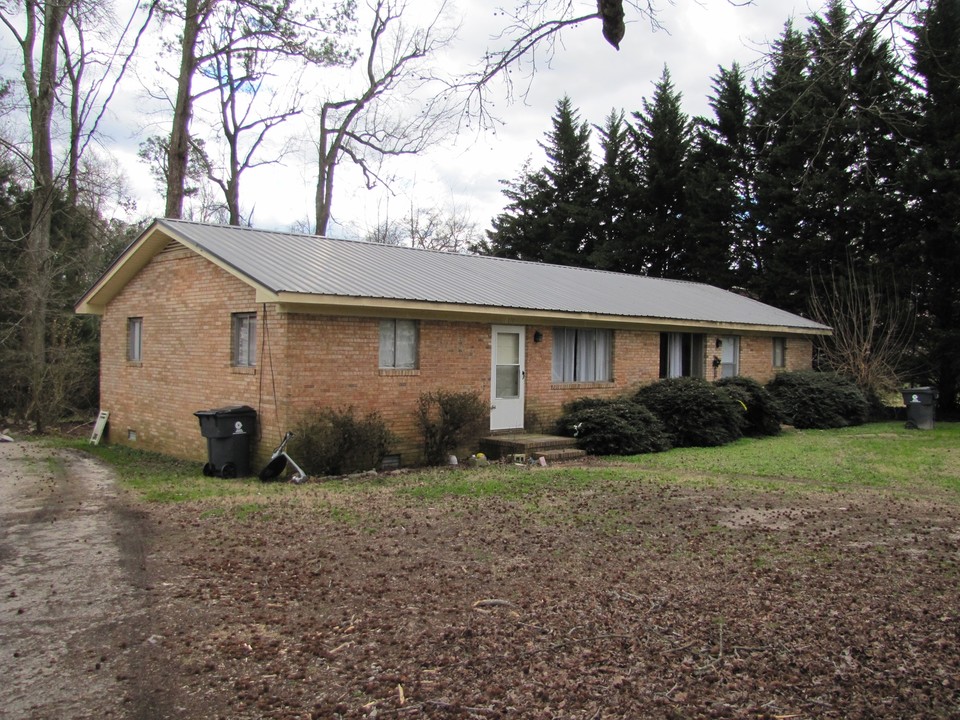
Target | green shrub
(762,413)
(694,413)
(818,400)
(338,442)
(448,420)
(613,427)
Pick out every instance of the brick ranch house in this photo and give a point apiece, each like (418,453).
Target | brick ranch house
(197,316)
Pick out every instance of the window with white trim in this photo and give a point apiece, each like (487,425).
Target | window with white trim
(582,355)
(135,339)
(244,339)
(681,355)
(398,344)
(729,347)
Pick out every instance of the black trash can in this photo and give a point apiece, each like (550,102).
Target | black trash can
(229,432)
(921,405)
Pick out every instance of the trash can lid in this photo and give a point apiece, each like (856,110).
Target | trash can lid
(928,389)
(230,410)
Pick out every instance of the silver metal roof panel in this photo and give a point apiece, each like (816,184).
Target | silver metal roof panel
(294,263)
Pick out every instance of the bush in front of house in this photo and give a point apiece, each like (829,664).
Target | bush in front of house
(694,413)
(761,411)
(449,420)
(613,427)
(811,399)
(339,442)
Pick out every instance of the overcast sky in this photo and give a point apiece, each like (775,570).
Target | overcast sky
(467,168)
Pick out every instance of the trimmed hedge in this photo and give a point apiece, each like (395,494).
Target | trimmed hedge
(811,399)
(762,413)
(613,427)
(337,442)
(694,412)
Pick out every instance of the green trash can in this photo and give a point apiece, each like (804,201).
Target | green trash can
(921,405)
(229,432)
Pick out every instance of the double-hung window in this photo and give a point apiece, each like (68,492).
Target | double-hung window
(135,339)
(398,344)
(582,355)
(729,346)
(244,339)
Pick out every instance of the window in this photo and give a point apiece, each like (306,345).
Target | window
(681,355)
(779,352)
(134,339)
(245,339)
(729,347)
(581,355)
(398,344)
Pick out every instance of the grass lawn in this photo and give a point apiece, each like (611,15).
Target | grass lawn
(881,455)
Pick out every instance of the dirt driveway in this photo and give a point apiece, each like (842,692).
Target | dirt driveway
(75,603)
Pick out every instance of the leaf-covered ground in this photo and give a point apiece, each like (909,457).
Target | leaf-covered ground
(560,593)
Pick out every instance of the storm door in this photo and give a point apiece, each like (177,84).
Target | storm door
(508,377)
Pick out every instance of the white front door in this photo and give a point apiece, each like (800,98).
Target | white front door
(507,378)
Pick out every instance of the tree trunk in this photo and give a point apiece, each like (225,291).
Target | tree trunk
(179,150)
(37,281)
(324,179)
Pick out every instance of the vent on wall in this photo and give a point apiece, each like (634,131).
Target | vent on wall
(171,247)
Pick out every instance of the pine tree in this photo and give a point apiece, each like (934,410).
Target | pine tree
(662,140)
(617,195)
(552,214)
(780,158)
(720,196)
(936,180)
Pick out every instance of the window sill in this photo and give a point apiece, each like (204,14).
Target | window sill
(243,370)
(134,363)
(399,372)
(583,385)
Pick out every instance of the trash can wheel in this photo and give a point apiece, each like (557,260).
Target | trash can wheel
(229,470)
(209,470)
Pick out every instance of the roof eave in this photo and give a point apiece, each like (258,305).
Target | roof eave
(425,310)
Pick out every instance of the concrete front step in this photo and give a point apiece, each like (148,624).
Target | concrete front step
(521,446)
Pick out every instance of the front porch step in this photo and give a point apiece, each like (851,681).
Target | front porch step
(522,446)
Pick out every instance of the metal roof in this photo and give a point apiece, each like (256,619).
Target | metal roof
(304,264)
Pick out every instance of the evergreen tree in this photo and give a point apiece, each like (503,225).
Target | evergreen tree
(780,158)
(617,194)
(552,214)
(828,127)
(936,181)
(720,194)
(662,140)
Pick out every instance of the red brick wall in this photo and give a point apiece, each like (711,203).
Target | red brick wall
(333,362)
(186,305)
(322,361)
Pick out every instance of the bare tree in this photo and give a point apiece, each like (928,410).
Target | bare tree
(443,229)
(401,109)
(209,29)
(92,72)
(248,110)
(38,38)
(60,70)
(448,229)
(872,329)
